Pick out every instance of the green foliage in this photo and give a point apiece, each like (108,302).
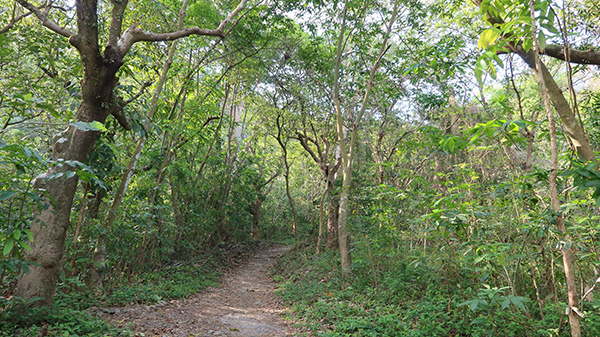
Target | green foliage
(57,321)
(409,300)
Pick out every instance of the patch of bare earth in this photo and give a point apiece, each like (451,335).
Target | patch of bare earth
(244,305)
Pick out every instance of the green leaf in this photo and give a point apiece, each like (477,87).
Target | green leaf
(29,234)
(518,301)
(566,173)
(8,246)
(4,195)
(25,267)
(488,37)
(527,44)
(478,75)
(542,40)
(592,183)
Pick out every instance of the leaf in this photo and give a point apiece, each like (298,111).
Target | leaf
(25,267)
(478,75)
(518,301)
(566,173)
(29,234)
(592,183)
(527,44)
(8,246)
(542,40)
(24,245)
(4,195)
(488,37)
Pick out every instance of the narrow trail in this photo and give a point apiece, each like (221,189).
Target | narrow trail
(244,305)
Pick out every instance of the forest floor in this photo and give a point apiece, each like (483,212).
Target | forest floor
(243,305)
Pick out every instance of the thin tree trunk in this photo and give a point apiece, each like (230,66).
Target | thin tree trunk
(286,175)
(321,222)
(343,215)
(348,153)
(567,252)
(333,214)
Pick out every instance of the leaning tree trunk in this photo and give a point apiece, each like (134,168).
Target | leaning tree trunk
(50,224)
(567,252)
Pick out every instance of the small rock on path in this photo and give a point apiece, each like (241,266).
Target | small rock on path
(244,305)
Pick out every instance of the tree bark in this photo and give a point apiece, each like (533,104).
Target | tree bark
(50,223)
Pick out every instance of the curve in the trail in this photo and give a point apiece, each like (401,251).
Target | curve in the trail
(244,305)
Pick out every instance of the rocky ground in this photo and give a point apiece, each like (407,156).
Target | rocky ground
(244,305)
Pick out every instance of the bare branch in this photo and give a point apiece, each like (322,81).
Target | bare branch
(576,56)
(116,21)
(135,34)
(45,21)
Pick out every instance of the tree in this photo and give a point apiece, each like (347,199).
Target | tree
(98,101)
(348,150)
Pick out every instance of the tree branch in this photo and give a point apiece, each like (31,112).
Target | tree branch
(116,21)
(45,21)
(576,56)
(135,34)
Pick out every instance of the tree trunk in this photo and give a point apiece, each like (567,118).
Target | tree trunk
(332,220)
(567,252)
(348,151)
(50,223)
(255,231)
(569,120)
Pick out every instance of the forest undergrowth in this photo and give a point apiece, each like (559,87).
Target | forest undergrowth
(407,299)
(70,314)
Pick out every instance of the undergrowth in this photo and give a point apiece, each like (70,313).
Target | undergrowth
(68,316)
(405,300)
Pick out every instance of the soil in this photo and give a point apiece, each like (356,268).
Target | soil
(243,305)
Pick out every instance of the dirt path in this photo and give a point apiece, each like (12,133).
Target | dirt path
(244,305)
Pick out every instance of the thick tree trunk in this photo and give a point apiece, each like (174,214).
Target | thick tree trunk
(50,224)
